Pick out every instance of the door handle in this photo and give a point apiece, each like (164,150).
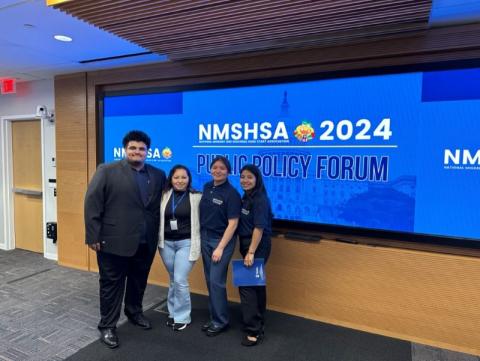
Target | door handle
(27,192)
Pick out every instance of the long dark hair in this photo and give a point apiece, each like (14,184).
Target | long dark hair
(258,189)
(176,167)
(259,185)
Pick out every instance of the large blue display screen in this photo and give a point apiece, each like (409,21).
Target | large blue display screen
(396,152)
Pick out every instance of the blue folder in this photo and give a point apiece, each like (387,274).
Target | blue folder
(248,276)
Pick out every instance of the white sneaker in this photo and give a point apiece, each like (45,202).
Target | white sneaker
(179,326)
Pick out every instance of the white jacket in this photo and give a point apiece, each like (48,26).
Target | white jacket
(195,223)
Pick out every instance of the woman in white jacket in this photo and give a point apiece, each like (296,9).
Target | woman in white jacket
(179,242)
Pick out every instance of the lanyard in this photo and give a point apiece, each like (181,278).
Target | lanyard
(174,206)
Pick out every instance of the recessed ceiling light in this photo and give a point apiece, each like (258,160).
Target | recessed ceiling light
(63,38)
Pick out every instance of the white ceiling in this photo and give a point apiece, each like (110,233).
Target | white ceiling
(28,50)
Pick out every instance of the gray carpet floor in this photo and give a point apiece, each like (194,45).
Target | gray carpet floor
(48,312)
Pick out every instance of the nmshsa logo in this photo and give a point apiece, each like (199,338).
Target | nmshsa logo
(248,132)
(167,153)
(461,159)
(304,132)
(154,154)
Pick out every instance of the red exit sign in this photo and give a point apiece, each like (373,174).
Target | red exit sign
(9,86)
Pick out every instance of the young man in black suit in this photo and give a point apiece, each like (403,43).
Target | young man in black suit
(122,208)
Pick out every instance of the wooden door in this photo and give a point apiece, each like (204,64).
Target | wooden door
(27,185)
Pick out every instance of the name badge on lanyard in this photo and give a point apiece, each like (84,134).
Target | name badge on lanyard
(173,221)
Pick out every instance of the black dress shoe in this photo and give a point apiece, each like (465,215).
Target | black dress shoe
(206,326)
(109,337)
(140,320)
(215,330)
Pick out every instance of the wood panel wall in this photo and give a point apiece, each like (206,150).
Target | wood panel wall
(422,296)
(72,175)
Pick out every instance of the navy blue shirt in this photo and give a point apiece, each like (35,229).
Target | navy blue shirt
(256,212)
(143,181)
(218,205)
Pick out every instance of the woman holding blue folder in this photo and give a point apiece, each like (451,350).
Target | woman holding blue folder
(254,230)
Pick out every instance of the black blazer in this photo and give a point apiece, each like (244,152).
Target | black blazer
(114,211)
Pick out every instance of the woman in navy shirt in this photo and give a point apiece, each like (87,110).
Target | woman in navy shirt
(219,212)
(254,230)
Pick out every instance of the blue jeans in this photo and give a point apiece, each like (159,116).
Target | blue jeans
(175,257)
(216,277)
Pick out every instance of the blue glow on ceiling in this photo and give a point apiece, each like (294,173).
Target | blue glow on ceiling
(449,12)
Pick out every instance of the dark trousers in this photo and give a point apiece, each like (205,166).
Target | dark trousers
(115,272)
(216,277)
(253,299)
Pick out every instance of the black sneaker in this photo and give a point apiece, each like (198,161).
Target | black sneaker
(216,330)
(169,322)
(206,326)
(179,326)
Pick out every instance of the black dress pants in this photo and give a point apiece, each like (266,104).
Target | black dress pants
(253,299)
(115,272)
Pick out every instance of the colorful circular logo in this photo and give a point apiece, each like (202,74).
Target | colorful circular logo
(167,153)
(304,132)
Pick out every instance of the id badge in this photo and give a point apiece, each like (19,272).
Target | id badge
(173,225)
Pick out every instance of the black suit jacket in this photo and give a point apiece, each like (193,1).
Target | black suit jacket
(115,215)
